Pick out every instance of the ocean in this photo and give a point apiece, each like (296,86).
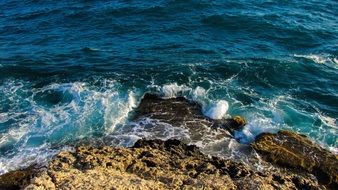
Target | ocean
(73,71)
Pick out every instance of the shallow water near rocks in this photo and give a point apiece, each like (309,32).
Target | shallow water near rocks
(77,70)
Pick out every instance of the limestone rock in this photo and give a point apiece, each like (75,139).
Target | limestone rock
(156,164)
(291,150)
(18,178)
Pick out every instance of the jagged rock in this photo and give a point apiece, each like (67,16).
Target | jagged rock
(291,150)
(15,179)
(156,164)
(182,112)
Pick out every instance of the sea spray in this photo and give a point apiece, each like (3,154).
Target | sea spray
(218,110)
(174,90)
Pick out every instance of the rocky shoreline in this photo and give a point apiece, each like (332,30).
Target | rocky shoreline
(297,163)
(151,164)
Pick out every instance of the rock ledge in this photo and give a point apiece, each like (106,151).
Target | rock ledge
(151,164)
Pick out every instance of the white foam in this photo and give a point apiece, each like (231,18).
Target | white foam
(334,149)
(90,109)
(173,90)
(218,110)
(214,110)
(108,105)
(317,58)
(13,135)
(28,156)
(262,116)
(118,114)
(335,60)
(149,129)
(199,92)
(4,117)
(213,142)
(329,121)
(255,127)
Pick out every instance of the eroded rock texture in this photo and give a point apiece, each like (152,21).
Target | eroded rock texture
(17,179)
(291,150)
(180,112)
(155,164)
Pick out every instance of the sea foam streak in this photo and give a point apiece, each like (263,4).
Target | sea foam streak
(318,58)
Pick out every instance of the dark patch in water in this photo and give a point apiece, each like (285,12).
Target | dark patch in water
(52,97)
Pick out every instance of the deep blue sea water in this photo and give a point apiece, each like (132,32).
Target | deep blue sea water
(76,70)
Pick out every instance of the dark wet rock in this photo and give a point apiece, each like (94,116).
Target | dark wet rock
(291,150)
(231,124)
(17,179)
(175,111)
(181,112)
(156,164)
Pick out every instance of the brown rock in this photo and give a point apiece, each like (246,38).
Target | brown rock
(17,179)
(182,112)
(156,164)
(291,150)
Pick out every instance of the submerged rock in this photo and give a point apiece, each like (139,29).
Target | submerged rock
(291,150)
(156,164)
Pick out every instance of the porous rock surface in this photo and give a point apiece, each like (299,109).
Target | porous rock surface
(156,164)
(292,150)
(181,112)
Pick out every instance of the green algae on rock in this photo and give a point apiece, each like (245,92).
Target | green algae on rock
(291,150)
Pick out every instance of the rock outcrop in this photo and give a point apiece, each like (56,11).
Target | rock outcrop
(18,178)
(156,164)
(181,112)
(291,150)
(172,164)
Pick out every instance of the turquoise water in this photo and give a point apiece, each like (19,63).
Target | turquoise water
(74,71)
